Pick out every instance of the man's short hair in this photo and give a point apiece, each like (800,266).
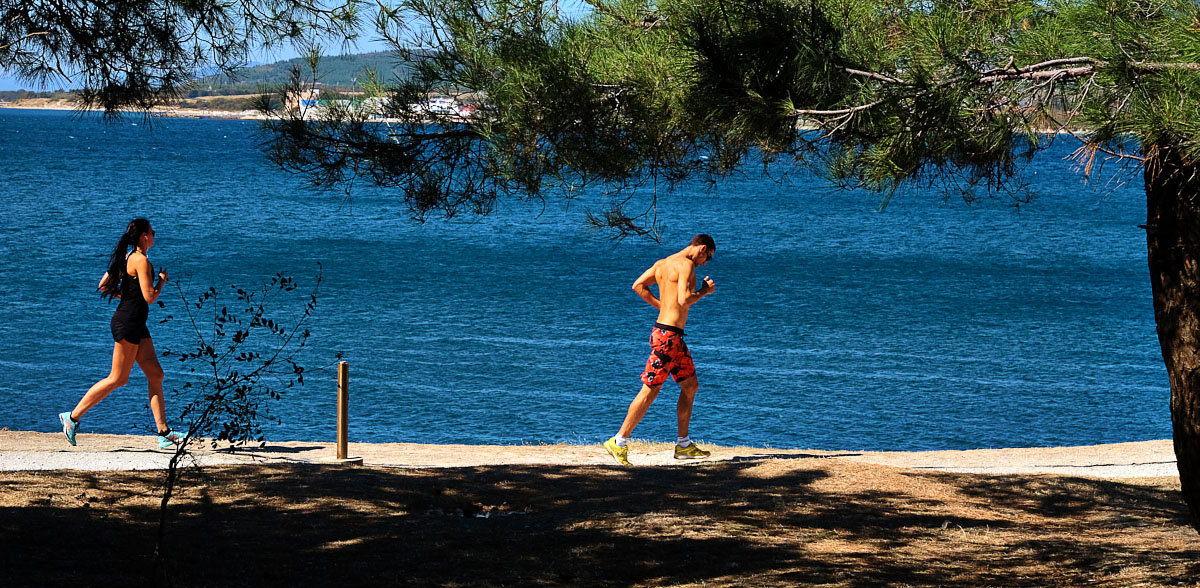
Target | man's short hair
(707,241)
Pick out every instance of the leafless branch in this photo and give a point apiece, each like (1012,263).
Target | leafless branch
(1087,87)
(1038,71)
(1086,153)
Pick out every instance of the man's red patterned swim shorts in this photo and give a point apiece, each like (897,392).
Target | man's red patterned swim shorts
(669,355)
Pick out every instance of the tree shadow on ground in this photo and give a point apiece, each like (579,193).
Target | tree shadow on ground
(784,523)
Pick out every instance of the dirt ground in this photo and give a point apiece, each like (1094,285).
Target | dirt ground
(779,521)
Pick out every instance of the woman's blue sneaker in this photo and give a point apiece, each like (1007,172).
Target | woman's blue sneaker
(69,426)
(171,439)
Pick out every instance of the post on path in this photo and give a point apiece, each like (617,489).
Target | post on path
(343,408)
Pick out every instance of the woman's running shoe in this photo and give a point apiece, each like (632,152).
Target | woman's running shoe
(69,426)
(171,439)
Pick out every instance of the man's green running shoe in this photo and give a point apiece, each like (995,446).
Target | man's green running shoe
(621,454)
(691,452)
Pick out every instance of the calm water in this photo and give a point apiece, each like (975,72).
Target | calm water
(934,324)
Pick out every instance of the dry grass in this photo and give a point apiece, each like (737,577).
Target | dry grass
(761,523)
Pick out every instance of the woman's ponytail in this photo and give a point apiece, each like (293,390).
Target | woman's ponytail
(111,287)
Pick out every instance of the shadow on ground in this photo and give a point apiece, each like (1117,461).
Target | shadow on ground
(780,523)
(268,449)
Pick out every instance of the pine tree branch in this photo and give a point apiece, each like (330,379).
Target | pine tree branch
(648,21)
(1153,66)
(1043,65)
(1038,71)
(841,112)
(1089,148)
(873,75)
(39,33)
(1039,75)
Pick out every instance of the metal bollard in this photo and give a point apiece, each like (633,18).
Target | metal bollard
(343,408)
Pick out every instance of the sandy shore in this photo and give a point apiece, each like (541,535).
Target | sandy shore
(24,450)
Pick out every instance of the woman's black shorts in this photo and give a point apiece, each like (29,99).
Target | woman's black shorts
(134,333)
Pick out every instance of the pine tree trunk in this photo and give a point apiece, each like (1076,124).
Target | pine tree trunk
(1173,239)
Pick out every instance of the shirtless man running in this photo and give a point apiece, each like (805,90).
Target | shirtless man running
(669,355)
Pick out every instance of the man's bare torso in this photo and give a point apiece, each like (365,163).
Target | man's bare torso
(676,279)
(671,274)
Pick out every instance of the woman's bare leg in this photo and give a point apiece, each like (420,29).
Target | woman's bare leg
(147,359)
(124,354)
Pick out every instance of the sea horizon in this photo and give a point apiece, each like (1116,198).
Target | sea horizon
(932,324)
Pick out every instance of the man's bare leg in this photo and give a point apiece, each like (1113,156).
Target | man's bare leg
(685,449)
(687,395)
(637,409)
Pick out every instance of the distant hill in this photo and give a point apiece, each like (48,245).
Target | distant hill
(14,95)
(340,72)
(343,71)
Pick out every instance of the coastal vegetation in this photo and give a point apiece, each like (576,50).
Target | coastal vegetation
(340,76)
(15,95)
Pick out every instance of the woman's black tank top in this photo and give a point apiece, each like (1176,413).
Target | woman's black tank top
(132,309)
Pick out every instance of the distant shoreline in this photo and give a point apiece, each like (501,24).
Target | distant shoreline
(167,112)
(163,112)
(45,104)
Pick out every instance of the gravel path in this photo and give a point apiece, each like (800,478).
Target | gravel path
(23,450)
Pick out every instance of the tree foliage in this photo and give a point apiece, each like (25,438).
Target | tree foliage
(950,93)
(561,105)
(244,354)
(137,53)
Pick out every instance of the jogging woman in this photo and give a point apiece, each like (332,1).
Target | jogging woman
(130,277)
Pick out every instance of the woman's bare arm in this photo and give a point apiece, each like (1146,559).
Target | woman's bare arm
(103,280)
(145,275)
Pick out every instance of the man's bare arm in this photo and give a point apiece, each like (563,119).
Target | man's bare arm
(687,296)
(642,287)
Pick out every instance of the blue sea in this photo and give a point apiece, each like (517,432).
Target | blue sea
(930,324)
